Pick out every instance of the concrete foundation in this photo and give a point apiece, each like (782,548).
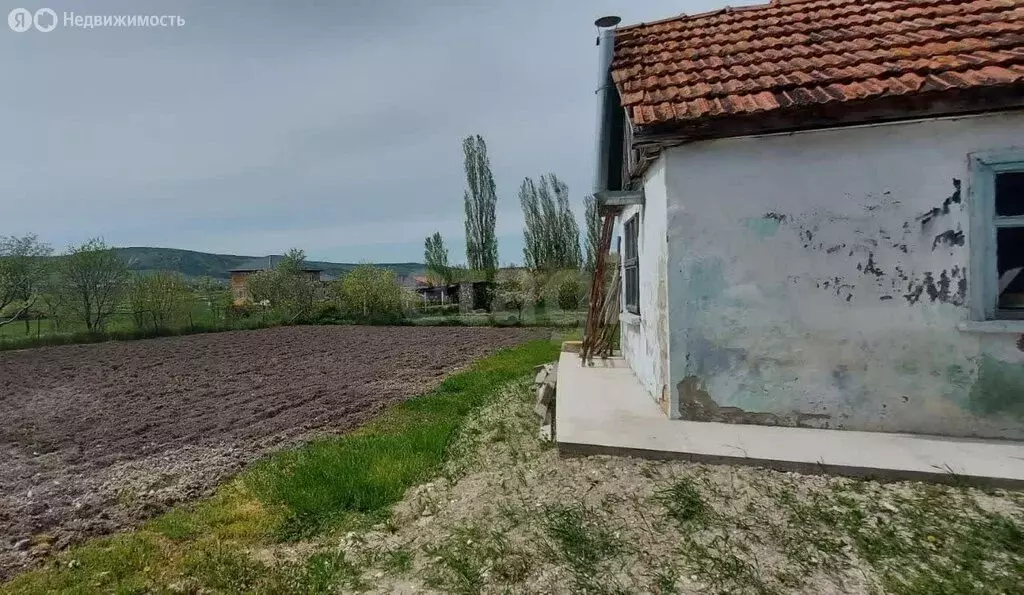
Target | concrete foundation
(604,409)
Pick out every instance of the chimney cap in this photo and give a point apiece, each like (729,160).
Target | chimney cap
(608,21)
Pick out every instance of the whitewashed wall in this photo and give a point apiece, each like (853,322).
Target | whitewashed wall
(644,338)
(818,279)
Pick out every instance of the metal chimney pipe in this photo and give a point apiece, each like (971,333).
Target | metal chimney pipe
(607,106)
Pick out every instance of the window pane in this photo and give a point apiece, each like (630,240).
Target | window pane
(632,282)
(631,238)
(1010,256)
(1010,194)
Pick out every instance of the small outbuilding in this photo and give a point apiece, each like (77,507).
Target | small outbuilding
(821,206)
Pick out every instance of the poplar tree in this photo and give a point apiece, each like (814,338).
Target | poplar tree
(481,201)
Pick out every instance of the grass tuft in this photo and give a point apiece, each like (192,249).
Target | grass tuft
(583,543)
(683,502)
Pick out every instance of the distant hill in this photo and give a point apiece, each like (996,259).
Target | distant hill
(218,266)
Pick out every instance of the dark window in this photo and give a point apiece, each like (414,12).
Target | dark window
(1010,241)
(631,265)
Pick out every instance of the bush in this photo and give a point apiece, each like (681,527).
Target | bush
(326,313)
(288,288)
(511,292)
(236,312)
(438,309)
(370,295)
(158,301)
(570,293)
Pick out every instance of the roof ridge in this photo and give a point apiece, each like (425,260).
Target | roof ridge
(693,64)
(723,51)
(974,9)
(851,6)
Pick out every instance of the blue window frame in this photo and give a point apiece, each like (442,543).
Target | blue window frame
(997,234)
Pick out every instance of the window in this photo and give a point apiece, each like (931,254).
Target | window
(997,223)
(631,265)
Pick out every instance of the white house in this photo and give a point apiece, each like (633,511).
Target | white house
(822,212)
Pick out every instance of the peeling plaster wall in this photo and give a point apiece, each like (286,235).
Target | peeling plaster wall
(644,339)
(817,279)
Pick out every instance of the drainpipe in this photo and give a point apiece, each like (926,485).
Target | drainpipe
(608,166)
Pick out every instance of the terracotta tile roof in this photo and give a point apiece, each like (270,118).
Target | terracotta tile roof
(797,53)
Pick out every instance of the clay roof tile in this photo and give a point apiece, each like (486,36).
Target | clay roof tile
(788,54)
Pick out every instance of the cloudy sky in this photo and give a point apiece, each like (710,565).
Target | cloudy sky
(331,126)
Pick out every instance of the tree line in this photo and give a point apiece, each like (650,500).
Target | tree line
(88,284)
(551,235)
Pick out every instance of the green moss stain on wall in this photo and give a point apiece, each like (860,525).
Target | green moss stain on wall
(957,376)
(707,280)
(999,388)
(763,227)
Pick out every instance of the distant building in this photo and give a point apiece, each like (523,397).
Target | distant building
(240,275)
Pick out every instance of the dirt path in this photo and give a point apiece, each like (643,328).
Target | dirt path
(95,437)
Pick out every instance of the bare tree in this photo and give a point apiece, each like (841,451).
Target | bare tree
(92,278)
(23,269)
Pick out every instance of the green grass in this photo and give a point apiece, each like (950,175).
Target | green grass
(683,502)
(309,491)
(368,470)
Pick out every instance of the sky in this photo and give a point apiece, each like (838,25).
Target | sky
(259,126)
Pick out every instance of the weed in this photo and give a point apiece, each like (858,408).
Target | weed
(323,572)
(722,563)
(123,563)
(683,502)
(582,542)
(224,568)
(472,557)
(398,561)
(665,581)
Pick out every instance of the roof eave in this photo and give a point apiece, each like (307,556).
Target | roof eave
(833,115)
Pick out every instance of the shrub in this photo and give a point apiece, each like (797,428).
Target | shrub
(511,291)
(570,293)
(326,313)
(236,312)
(369,294)
(158,301)
(288,289)
(438,309)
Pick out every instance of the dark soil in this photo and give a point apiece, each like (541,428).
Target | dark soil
(94,438)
